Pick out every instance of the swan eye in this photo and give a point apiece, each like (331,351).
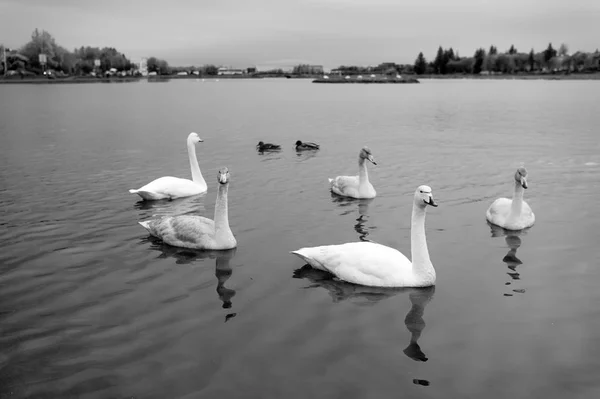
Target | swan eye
(421,191)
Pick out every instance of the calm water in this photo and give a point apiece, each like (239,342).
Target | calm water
(91,307)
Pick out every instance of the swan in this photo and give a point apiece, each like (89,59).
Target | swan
(267,146)
(306,145)
(197,232)
(512,214)
(168,187)
(356,186)
(376,265)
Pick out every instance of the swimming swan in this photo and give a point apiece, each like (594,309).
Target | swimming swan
(512,214)
(356,186)
(376,265)
(197,232)
(169,187)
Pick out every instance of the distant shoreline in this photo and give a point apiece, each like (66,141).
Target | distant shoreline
(546,76)
(316,79)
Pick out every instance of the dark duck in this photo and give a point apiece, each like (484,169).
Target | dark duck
(301,146)
(261,146)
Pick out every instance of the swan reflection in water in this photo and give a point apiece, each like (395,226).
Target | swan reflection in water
(363,211)
(179,206)
(341,291)
(185,256)
(513,240)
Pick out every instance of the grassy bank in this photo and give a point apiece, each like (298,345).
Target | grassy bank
(522,76)
(354,80)
(67,80)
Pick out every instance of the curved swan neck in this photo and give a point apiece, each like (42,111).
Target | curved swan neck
(363,175)
(196,174)
(517,200)
(221,213)
(421,263)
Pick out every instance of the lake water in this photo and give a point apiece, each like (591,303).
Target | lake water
(91,307)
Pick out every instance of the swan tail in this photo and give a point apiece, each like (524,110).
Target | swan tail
(148,195)
(305,255)
(146,224)
(330,180)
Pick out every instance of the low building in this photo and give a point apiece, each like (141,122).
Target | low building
(230,71)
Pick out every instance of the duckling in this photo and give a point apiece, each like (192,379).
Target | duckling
(307,145)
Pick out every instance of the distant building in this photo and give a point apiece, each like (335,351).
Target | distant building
(251,70)
(230,71)
(144,67)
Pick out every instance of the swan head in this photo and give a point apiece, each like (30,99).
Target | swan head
(223,176)
(521,177)
(365,153)
(194,138)
(424,197)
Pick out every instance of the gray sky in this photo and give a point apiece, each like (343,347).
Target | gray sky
(286,32)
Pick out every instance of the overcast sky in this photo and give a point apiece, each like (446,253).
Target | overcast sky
(286,32)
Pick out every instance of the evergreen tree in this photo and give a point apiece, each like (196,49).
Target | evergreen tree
(531,60)
(439,60)
(549,53)
(479,57)
(420,64)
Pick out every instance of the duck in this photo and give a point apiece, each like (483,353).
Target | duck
(301,146)
(197,232)
(169,187)
(512,214)
(368,263)
(356,186)
(261,146)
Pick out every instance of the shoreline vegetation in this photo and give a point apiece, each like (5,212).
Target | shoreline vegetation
(315,79)
(43,61)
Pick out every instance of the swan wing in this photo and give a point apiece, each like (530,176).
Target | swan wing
(345,185)
(498,211)
(169,187)
(187,231)
(363,263)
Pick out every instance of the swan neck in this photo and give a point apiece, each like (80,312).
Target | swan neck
(363,175)
(196,174)
(517,200)
(422,267)
(221,212)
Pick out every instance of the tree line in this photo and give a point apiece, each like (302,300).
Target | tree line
(79,61)
(511,61)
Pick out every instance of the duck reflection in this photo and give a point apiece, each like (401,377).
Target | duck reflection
(341,291)
(513,241)
(179,206)
(363,211)
(183,256)
(302,156)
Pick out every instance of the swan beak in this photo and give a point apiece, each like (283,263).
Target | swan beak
(200,140)
(370,158)
(524,182)
(431,202)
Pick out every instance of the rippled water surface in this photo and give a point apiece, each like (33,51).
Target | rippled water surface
(91,307)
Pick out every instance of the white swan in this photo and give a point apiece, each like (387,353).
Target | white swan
(356,186)
(512,214)
(376,265)
(197,232)
(169,187)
